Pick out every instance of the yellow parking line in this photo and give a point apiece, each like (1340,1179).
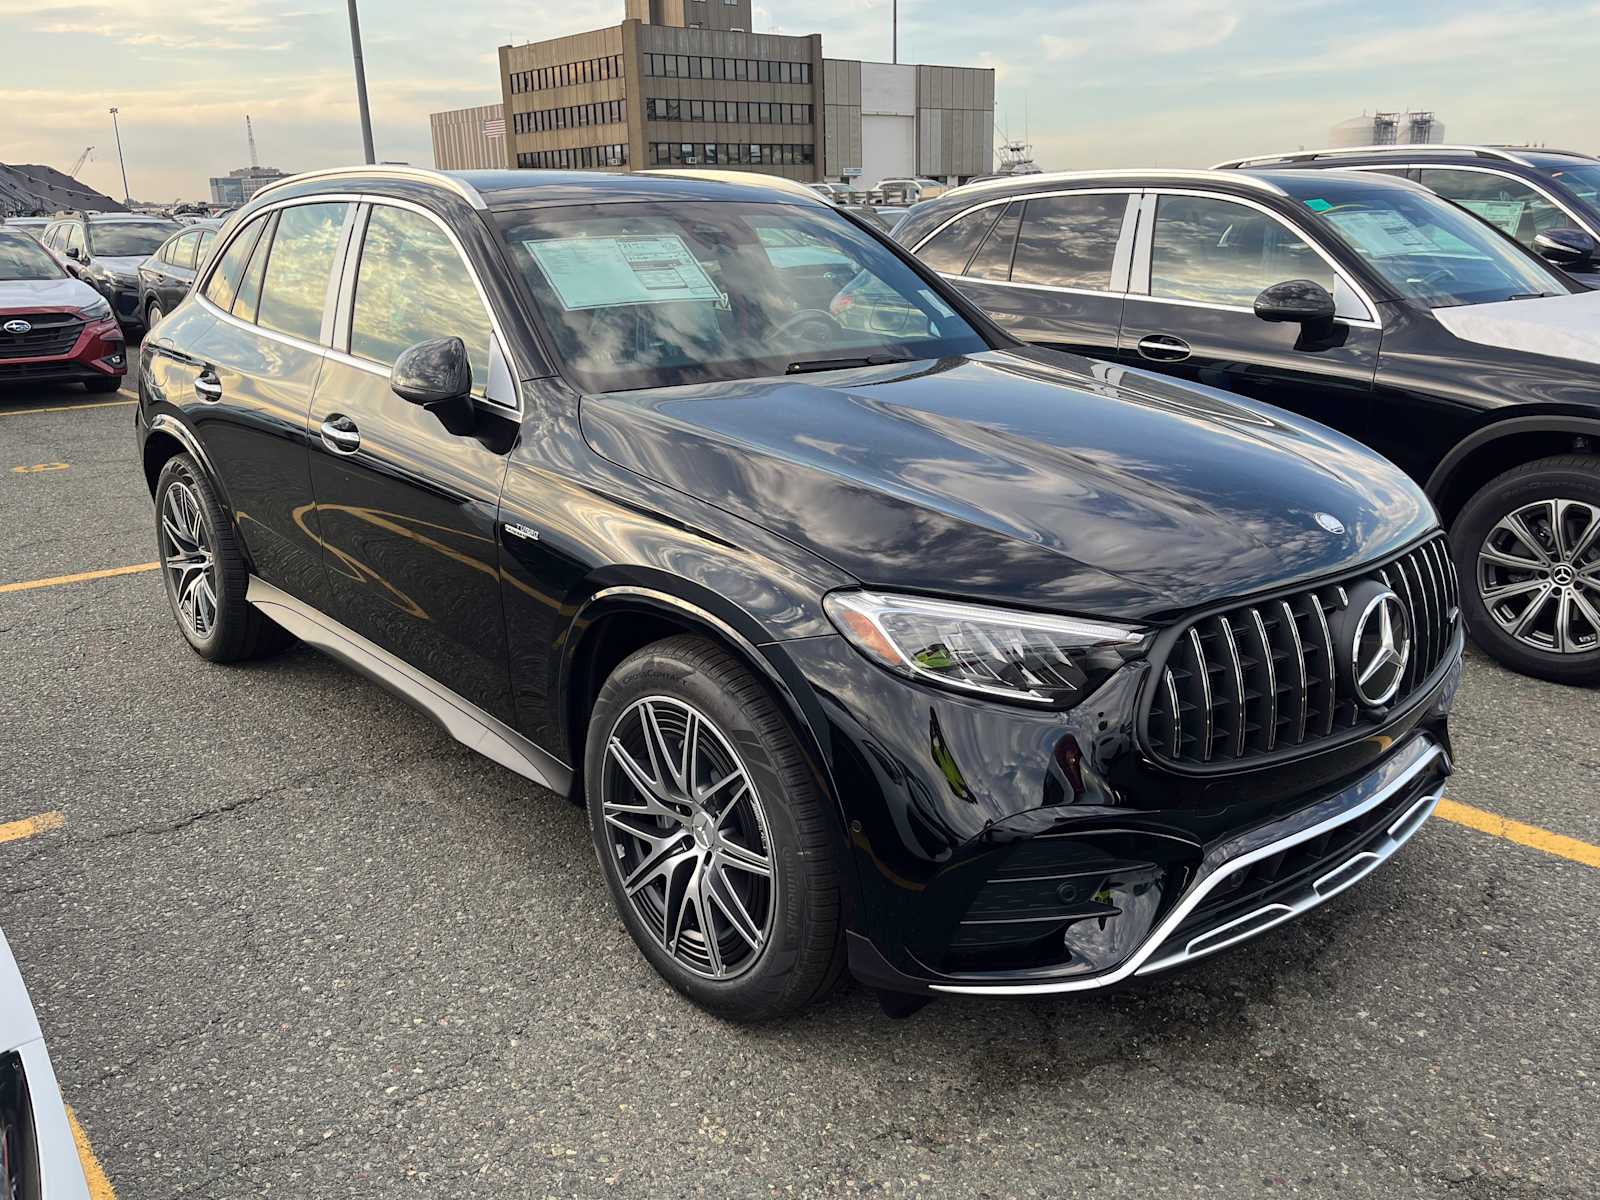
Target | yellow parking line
(15,831)
(1524,835)
(93,1173)
(39,468)
(22,412)
(81,577)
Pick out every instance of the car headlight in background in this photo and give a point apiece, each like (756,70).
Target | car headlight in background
(98,311)
(1021,656)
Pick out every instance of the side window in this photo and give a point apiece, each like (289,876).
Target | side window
(207,237)
(412,286)
(1070,241)
(295,287)
(245,303)
(1217,252)
(950,249)
(75,239)
(180,251)
(993,259)
(224,281)
(1511,206)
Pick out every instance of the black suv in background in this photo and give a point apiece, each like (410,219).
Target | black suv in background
(1364,301)
(167,275)
(983,668)
(105,250)
(1549,200)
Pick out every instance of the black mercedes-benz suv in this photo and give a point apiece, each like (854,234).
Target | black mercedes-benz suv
(1359,300)
(884,641)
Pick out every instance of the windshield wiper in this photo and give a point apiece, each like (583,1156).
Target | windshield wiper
(1531,296)
(807,365)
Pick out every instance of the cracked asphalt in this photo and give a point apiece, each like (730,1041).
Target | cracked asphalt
(293,941)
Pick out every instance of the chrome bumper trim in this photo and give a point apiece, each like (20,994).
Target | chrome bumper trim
(1144,961)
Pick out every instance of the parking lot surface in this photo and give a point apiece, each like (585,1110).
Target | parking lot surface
(288,939)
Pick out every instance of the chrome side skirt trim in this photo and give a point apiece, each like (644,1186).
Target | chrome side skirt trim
(460,718)
(1144,961)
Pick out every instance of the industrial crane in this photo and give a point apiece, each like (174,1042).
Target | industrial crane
(88,153)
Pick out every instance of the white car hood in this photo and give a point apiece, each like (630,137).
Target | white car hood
(1557,326)
(45,293)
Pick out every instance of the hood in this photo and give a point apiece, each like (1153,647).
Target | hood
(24,294)
(1556,326)
(1023,477)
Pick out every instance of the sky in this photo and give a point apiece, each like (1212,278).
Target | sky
(1094,83)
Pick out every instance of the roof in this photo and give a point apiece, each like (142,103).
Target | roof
(1512,154)
(1133,177)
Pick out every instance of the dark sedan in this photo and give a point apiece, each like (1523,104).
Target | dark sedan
(167,275)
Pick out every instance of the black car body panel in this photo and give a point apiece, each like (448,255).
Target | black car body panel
(505,548)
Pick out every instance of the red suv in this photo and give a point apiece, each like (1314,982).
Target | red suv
(53,327)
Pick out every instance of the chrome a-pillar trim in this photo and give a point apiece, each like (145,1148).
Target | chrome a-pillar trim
(460,718)
(1242,852)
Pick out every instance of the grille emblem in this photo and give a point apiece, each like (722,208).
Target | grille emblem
(1381,649)
(1329,522)
(16,327)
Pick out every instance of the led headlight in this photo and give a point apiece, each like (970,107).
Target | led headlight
(1030,657)
(98,311)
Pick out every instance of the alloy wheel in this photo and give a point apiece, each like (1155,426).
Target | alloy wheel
(186,554)
(689,837)
(1539,575)
(153,316)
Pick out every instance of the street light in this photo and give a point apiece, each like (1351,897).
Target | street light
(361,83)
(127,198)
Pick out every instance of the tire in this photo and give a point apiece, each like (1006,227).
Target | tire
(153,315)
(204,574)
(110,383)
(1531,494)
(798,953)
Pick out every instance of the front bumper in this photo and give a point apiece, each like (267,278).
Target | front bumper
(100,351)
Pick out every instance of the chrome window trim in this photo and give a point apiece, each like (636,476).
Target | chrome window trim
(1140,177)
(1034,287)
(1398,148)
(1431,753)
(1370,321)
(1120,251)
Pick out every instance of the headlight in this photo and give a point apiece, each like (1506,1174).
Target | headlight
(98,311)
(1030,657)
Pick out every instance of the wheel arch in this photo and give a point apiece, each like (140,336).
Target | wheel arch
(165,438)
(1498,447)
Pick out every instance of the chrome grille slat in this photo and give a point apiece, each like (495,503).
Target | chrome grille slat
(1264,678)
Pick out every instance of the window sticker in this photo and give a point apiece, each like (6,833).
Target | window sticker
(1382,233)
(607,272)
(1318,205)
(1504,215)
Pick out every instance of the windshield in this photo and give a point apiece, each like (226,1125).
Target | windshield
(1426,248)
(23,258)
(1582,180)
(124,239)
(644,295)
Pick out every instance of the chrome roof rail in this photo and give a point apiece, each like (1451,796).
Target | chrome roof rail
(422,174)
(749,178)
(1142,174)
(1263,160)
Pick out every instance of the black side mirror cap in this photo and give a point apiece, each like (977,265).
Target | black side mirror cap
(1302,300)
(1565,247)
(74,254)
(432,372)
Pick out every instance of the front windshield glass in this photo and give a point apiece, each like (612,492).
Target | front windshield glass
(23,258)
(1581,179)
(1426,248)
(125,239)
(642,295)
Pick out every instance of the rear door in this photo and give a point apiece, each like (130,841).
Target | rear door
(407,499)
(1051,268)
(1200,262)
(178,270)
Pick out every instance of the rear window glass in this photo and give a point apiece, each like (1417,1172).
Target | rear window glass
(953,245)
(295,289)
(1070,241)
(224,281)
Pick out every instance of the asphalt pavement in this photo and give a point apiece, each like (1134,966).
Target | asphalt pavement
(291,940)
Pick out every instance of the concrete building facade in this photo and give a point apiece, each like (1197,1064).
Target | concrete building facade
(895,120)
(469,139)
(236,187)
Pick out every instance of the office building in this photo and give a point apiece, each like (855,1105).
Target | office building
(898,121)
(236,187)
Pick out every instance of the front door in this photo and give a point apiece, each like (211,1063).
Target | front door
(407,498)
(1192,315)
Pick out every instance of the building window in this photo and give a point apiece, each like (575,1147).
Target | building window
(590,70)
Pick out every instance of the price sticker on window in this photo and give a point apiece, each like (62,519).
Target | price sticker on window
(609,272)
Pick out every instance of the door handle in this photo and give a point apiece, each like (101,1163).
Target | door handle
(1163,347)
(207,386)
(339,434)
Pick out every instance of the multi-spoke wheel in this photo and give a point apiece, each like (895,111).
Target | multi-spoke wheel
(1530,541)
(717,844)
(204,572)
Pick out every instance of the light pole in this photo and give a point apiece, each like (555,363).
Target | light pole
(361,83)
(127,198)
(896,46)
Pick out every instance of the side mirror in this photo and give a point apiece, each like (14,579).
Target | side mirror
(433,372)
(75,254)
(1565,247)
(1299,300)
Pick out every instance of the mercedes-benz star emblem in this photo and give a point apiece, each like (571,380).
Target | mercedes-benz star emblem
(1381,649)
(16,327)
(1329,522)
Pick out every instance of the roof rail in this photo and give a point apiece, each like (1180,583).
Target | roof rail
(1546,150)
(456,184)
(1500,152)
(1143,173)
(756,178)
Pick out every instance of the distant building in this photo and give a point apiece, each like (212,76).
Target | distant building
(32,190)
(469,139)
(1388,129)
(897,121)
(238,186)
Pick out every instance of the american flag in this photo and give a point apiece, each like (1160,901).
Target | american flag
(495,128)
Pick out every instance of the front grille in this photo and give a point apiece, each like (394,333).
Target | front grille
(1263,679)
(52,333)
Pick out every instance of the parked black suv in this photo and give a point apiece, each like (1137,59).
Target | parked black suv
(983,668)
(167,275)
(1361,300)
(105,251)
(1549,200)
